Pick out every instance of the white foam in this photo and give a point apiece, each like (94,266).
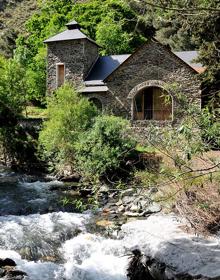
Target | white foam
(162,237)
(16,230)
(90,257)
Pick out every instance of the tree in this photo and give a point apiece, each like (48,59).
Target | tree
(187,25)
(188,179)
(36,78)
(13,88)
(104,147)
(111,37)
(69,114)
(76,135)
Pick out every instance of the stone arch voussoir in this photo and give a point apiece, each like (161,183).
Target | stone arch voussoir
(146,84)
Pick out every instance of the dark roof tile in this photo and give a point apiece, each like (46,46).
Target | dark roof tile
(104,66)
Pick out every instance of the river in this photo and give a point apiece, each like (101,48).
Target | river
(55,244)
(49,241)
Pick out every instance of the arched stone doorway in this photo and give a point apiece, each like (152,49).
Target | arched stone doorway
(151,102)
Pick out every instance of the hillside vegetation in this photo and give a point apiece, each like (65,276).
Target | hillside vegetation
(13,15)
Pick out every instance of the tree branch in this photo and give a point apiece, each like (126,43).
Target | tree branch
(183,10)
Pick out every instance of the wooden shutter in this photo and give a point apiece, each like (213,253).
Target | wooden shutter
(60,75)
(162,110)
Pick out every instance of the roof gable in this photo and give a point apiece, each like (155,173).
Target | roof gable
(153,43)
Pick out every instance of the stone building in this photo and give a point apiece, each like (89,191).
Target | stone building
(135,86)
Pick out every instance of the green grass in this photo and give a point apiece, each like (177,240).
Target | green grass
(34,112)
(144,149)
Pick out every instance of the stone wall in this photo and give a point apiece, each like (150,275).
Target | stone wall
(155,63)
(110,103)
(78,57)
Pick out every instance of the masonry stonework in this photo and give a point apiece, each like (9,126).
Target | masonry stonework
(152,62)
(78,56)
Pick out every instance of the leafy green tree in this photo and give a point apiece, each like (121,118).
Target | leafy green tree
(111,37)
(13,88)
(76,135)
(69,114)
(187,25)
(105,146)
(36,78)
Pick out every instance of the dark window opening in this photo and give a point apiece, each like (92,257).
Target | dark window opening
(148,105)
(151,104)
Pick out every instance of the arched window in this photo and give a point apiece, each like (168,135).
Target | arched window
(95,101)
(152,103)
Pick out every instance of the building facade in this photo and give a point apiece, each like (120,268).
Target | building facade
(138,86)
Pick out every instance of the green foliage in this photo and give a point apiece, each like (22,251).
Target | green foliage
(106,14)
(112,38)
(69,114)
(104,147)
(188,26)
(13,87)
(74,134)
(36,77)
(146,178)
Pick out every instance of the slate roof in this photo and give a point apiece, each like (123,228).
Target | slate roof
(72,33)
(73,24)
(104,66)
(188,57)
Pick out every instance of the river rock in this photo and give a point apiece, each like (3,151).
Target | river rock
(131,214)
(127,199)
(15,275)
(103,189)
(153,208)
(7,262)
(2,272)
(153,190)
(127,192)
(121,208)
(119,203)
(134,208)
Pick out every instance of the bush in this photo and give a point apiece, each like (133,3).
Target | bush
(13,88)
(105,147)
(76,135)
(69,114)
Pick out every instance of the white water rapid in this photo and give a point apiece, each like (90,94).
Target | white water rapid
(53,245)
(60,246)
(83,257)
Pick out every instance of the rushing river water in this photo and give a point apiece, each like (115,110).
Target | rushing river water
(55,245)
(49,241)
